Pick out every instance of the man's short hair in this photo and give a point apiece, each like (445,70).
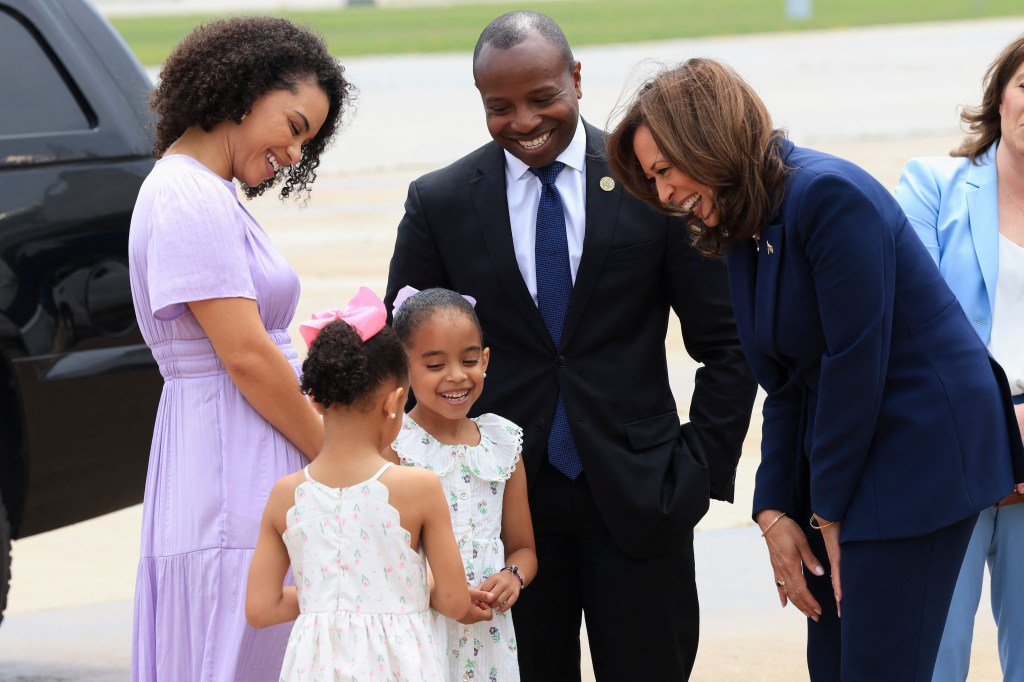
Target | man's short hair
(511,29)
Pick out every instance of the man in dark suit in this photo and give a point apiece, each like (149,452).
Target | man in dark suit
(574,281)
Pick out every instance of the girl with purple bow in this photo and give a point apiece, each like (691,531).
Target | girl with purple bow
(355,528)
(478,462)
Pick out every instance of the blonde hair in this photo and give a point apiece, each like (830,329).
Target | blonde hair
(984,121)
(710,124)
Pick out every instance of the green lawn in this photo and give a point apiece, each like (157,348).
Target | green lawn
(366,30)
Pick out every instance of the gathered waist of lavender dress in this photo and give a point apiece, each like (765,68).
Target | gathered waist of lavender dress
(191,358)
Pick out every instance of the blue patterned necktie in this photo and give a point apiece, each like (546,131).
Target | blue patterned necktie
(554,287)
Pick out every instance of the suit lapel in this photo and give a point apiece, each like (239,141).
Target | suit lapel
(487,189)
(769,261)
(983,210)
(602,208)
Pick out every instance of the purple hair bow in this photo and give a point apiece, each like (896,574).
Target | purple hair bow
(408,291)
(365,313)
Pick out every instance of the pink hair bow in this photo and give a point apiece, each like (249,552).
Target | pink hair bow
(408,291)
(365,313)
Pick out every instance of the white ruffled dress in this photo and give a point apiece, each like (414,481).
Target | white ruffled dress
(364,603)
(473,478)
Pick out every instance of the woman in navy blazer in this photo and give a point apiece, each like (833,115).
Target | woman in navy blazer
(886,425)
(968,211)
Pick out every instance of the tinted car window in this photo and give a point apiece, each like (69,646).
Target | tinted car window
(36,96)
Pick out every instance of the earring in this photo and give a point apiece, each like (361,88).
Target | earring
(393,415)
(485,375)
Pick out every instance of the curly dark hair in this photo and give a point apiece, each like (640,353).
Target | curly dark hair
(341,369)
(422,305)
(219,71)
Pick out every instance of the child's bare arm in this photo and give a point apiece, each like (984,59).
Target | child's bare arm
(520,548)
(450,595)
(267,601)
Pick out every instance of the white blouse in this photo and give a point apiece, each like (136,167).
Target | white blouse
(1007,341)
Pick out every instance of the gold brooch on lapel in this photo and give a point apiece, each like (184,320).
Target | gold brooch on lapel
(757,244)
(607,184)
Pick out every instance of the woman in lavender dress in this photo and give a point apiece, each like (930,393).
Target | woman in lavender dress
(254,99)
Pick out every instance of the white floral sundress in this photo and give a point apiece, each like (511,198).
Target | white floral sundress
(364,602)
(473,478)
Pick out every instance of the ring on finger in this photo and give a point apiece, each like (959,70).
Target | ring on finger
(781,584)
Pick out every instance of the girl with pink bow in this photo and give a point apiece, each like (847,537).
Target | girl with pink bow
(356,530)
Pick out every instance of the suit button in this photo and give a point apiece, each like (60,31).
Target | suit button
(539,425)
(561,361)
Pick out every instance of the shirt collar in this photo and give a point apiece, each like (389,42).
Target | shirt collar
(574,156)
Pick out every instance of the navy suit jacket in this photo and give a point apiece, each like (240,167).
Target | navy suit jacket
(884,409)
(646,471)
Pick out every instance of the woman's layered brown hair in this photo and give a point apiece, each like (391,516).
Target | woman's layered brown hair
(983,121)
(711,125)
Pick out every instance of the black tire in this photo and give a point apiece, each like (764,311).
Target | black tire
(5,558)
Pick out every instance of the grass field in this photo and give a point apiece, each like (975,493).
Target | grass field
(363,30)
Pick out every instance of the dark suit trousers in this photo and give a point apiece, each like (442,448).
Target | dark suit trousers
(896,595)
(642,614)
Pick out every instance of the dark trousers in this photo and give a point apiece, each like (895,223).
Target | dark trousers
(642,614)
(896,594)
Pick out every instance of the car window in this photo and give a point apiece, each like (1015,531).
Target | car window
(36,95)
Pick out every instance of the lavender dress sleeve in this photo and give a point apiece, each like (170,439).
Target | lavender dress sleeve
(197,247)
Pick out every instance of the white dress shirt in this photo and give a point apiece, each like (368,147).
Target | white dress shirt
(1007,341)
(523,190)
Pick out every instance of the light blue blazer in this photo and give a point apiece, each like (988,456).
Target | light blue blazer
(953,205)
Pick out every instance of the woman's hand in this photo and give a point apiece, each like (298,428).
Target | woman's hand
(830,534)
(789,552)
(260,370)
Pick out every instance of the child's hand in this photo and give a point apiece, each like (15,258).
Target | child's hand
(505,587)
(480,609)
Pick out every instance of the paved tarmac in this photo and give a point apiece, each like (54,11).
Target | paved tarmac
(877,96)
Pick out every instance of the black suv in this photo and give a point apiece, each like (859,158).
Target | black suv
(78,387)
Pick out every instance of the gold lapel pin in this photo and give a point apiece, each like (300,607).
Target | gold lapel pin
(607,184)
(770,248)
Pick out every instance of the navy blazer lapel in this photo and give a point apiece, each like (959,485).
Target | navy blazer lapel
(769,254)
(487,191)
(602,209)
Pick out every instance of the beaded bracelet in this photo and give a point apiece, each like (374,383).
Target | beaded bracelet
(514,570)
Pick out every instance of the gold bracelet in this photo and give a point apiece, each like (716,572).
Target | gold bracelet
(769,526)
(817,526)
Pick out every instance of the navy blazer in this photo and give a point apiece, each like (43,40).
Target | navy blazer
(646,470)
(884,409)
